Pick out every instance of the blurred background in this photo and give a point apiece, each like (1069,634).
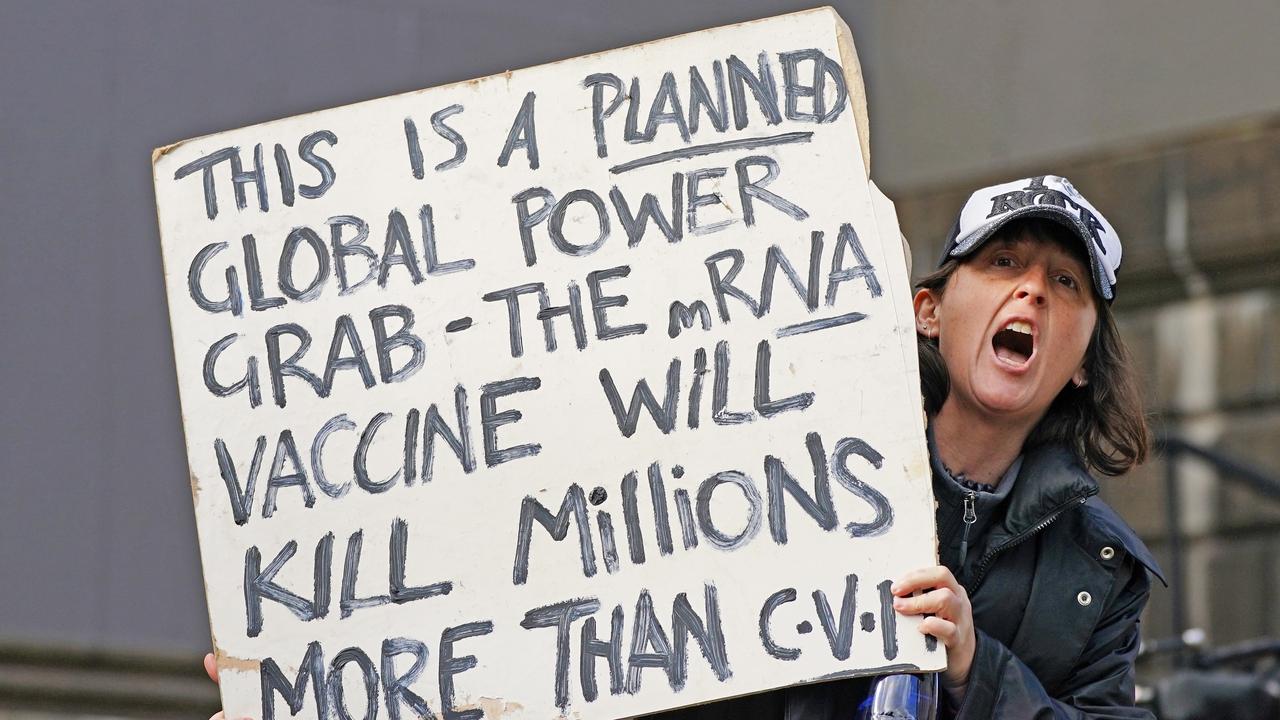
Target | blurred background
(1165,113)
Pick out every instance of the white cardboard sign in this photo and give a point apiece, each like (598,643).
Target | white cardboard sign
(588,389)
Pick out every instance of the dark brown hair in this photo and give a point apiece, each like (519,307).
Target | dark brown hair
(1102,421)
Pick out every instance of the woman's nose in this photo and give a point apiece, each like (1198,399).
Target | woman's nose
(1032,286)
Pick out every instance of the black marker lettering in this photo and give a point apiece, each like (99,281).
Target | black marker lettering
(395,688)
(700,97)
(355,246)
(399,591)
(527,220)
(285,172)
(205,165)
(720,391)
(296,237)
(259,583)
(749,189)
(840,637)
(360,463)
(415,152)
(705,492)
(574,506)
(555,226)
(253,276)
(722,285)
(248,380)
(661,520)
(631,518)
(883,519)
(306,151)
(279,369)
(349,603)
(511,296)
(646,631)
(335,423)
(601,302)
(459,442)
(659,113)
(398,237)
(547,312)
(688,527)
(780,652)
(697,200)
(818,506)
(598,82)
(522,135)
(491,419)
(241,500)
(451,666)
(233,301)
(763,404)
(635,225)
(368,674)
(448,133)
(848,237)
(561,616)
(286,450)
(709,634)
(434,266)
(310,669)
(641,396)
(400,338)
(344,333)
(610,650)
(762,87)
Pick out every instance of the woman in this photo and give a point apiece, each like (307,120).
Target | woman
(1027,386)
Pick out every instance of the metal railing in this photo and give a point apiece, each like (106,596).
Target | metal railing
(1175,448)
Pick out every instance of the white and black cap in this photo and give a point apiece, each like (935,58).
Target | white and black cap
(1045,196)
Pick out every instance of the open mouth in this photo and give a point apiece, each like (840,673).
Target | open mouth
(1015,343)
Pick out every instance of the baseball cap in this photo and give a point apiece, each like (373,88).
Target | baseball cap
(1045,196)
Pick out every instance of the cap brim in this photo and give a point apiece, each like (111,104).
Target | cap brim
(974,240)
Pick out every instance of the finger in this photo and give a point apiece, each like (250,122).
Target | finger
(945,630)
(211,667)
(941,601)
(218,716)
(930,577)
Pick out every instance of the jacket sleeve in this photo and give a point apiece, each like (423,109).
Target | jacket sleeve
(1101,684)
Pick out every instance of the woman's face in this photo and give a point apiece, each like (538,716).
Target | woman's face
(1013,325)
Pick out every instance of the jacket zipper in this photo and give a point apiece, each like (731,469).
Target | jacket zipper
(985,564)
(970,517)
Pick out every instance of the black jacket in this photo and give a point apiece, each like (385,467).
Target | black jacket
(1084,576)
(1057,589)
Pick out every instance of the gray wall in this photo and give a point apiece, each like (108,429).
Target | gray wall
(97,540)
(960,88)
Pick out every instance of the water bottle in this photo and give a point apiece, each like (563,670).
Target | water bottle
(901,697)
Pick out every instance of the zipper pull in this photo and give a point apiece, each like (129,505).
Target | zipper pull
(970,517)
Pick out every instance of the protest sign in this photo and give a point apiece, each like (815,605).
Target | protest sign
(588,389)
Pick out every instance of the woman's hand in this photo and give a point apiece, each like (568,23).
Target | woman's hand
(951,622)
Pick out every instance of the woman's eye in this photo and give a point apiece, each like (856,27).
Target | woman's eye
(1068,281)
(1004,261)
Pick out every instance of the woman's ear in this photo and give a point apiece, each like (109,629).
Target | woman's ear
(1080,378)
(926,306)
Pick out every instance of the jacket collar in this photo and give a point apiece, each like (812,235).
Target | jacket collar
(1051,478)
